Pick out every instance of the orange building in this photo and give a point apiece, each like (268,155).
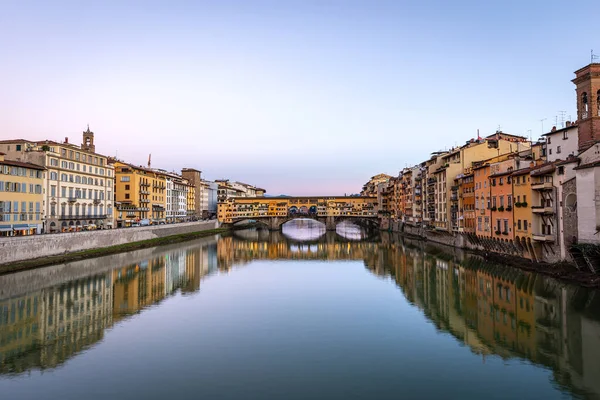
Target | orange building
(501,214)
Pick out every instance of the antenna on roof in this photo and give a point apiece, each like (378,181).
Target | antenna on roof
(562,118)
(542,121)
(593,56)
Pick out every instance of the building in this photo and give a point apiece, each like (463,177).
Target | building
(194,178)
(227,189)
(370,188)
(177,195)
(78,183)
(140,194)
(21,198)
(562,143)
(587,82)
(522,215)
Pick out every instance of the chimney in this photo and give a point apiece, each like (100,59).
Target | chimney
(568,124)
(66,139)
(553,129)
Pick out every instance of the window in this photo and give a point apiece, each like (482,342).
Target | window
(524,224)
(557,149)
(505,226)
(509,200)
(519,224)
(18,147)
(550,152)
(584,105)
(125,179)
(549,141)
(501,201)
(126,187)
(561,170)
(126,196)
(565,137)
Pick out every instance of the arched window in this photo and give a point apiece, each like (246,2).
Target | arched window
(84,180)
(77,179)
(584,105)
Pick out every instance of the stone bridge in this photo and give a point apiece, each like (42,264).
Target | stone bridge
(330,222)
(276,211)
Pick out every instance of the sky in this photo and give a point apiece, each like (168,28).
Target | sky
(298,97)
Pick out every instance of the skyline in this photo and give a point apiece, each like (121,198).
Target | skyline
(325,94)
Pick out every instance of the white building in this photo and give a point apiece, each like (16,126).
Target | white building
(562,143)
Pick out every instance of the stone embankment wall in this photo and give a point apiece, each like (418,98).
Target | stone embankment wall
(22,282)
(13,249)
(470,242)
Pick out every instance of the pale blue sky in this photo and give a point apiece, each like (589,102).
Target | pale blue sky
(299,97)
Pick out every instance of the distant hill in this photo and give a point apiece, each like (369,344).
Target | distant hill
(281,195)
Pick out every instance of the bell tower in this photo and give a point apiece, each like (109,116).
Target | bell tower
(88,141)
(587,80)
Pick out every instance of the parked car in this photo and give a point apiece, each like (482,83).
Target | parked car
(144,222)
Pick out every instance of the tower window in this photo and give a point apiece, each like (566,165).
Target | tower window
(598,102)
(584,105)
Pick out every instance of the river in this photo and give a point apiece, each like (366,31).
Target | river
(301,314)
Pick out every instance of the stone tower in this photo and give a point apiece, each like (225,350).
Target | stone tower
(88,141)
(587,80)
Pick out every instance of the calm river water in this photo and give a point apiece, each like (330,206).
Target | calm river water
(295,315)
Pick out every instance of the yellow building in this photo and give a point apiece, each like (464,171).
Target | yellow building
(21,198)
(191,200)
(522,214)
(139,194)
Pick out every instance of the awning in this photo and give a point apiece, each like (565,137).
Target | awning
(21,226)
(5,228)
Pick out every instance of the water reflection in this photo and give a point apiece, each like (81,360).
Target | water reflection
(50,315)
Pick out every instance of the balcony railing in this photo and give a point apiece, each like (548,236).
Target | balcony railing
(541,185)
(542,210)
(541,237)
(71,199)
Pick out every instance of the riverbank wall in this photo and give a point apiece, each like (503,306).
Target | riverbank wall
(17,249)
(524,250)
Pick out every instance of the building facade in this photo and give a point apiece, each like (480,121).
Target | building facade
(140,194)
(21,198)
(78,183)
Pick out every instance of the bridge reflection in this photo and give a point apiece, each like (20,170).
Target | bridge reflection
(50,315)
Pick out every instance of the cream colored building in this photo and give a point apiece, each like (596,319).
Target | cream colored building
(78,184)
(21,197)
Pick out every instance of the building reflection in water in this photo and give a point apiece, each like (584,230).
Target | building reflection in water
(48,325)
(496,311)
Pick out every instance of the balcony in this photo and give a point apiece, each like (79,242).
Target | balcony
(97,201)
(542,237)
(144,192)
(144,201)
(542,210)
(71,199)
(144,184)
(541,186)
